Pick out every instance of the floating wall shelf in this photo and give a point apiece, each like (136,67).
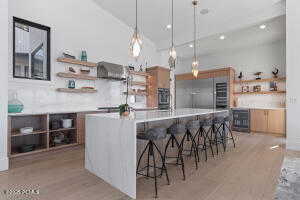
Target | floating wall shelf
(261,92)
(136,93)
(76,76)
(76,62)
(139,83)
(261,80)
(76,90)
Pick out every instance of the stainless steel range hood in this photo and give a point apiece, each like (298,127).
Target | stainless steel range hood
(111,71)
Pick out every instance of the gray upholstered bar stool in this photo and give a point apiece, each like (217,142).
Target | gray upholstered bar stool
(218,132)
(227,126)
(204,140)
(151,135)
(175,130)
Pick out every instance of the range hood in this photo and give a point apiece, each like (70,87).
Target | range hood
(111,71)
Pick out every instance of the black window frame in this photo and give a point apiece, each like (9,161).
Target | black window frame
(38,26)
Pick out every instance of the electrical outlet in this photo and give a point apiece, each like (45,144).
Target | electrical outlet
(293,100)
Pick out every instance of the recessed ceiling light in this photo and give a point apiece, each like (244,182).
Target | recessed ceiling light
(263,26)
(169,26)
(191,45)
(204,11)
(222,37)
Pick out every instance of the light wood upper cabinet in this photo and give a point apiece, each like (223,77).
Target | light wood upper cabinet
(276,121)
(259,120)
(268,121)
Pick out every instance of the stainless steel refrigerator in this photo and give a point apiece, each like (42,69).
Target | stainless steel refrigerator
(202,93)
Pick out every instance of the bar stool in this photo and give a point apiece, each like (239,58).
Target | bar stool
(227,125)
(191,126)
(218,132)
(173,131)
(204,133)
(151,135)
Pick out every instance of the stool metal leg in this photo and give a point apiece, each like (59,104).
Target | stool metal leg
(164,168)
(231,134)
(139,162)
(154,166)
(181,158)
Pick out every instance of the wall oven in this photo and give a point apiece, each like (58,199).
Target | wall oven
(163,98)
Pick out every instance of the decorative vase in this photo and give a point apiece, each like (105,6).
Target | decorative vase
(15,105)
(84,56)
(71,84)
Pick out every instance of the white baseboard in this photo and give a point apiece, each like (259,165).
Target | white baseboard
(293,145)
(3,164)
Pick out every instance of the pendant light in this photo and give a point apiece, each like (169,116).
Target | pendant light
(136,42)
(172,52)
(195,62)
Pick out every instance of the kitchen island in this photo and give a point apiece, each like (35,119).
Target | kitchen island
(111,144)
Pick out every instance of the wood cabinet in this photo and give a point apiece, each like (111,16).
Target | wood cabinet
(160,78)
(268,121)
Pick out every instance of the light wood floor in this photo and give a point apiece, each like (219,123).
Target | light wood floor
(248,172)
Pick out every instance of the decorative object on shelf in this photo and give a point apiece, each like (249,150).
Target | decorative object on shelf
(241,76)
(172,51)
(257,88)
(67,54)
(66,123)
(26,130)
(14,104)
(131,68)
(273,86)
(136,42)
(245,88)
(141,68)
(83,56)
(71,69)
(59,138)
(55,124)
(195,62)
(27,148)
(85,71)
(258,74)
(124,109)
(71,84)
(275,73)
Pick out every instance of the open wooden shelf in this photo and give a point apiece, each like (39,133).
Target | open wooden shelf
(37,150)
(17,134)
(62,129)
(137,93)
(139,73)
(68,90)
(261,92)
(139,83)
(75,76)
(63,146)
(76,62)
(261,80)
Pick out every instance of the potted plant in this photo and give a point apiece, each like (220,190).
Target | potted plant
(124,109)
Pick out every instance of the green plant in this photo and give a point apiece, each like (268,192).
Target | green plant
(123,108)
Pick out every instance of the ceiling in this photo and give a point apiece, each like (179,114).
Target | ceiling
(223,16)
(246,37)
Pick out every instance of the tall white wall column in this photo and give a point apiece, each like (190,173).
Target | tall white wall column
(293,72)
(3,83)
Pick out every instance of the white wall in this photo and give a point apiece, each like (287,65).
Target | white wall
(293,71)
(248,60)
(78,25)
(3,83)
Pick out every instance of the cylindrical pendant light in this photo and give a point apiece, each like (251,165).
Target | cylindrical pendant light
(136,42)
(195,62)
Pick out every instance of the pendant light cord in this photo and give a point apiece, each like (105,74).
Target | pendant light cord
(136,15)
(172,23)
(195,31)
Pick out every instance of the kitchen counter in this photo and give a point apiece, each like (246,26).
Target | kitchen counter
(111,144)
(58,110)
(261,108)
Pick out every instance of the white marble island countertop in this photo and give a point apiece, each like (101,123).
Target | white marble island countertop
(156,115)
